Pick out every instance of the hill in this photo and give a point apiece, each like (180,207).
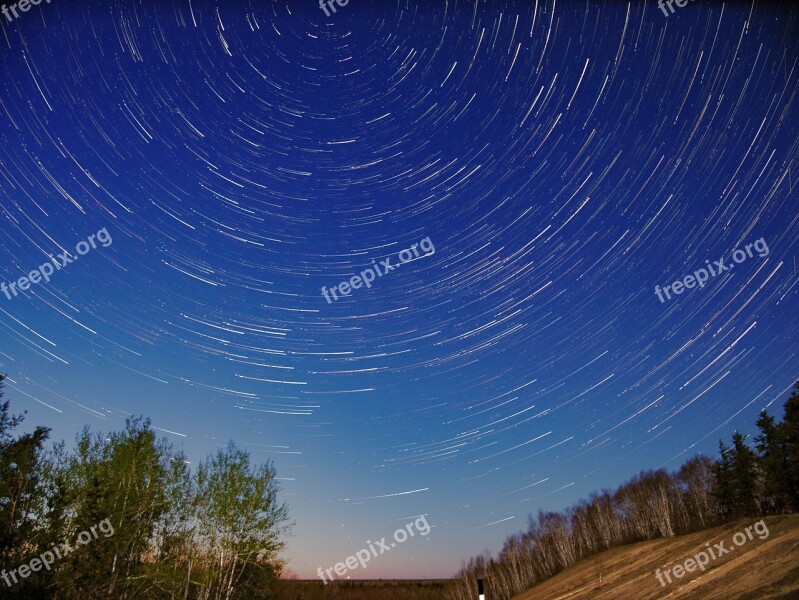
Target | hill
(756,569)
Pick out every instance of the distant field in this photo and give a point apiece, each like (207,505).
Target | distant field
(765,569)
(757,570)
(367,589)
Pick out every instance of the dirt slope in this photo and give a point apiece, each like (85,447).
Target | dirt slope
(757,569)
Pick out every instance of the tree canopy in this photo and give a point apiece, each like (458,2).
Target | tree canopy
(164,531)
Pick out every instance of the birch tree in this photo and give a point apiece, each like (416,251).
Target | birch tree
(242,523)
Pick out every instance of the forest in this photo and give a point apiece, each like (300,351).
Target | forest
(217,532)
(754,479)
(164,531)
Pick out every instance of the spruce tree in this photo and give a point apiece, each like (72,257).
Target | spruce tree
(722,469)
(789,432)
(771,449)
(744,477)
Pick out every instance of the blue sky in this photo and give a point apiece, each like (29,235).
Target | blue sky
(564,159)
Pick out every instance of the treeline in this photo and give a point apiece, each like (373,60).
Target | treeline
(742,482)
(344,589)
(136,521)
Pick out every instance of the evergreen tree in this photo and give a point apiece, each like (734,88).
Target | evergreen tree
(724,492)
(789,432)
(745,484)
(770,446)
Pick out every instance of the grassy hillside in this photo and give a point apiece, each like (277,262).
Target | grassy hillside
(757,569)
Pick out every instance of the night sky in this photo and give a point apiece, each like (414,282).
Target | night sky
(563,158)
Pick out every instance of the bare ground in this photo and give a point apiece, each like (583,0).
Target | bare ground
(765,569)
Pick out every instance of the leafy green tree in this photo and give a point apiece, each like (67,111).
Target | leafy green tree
(242,523)
(121,477)
(147,526)
(21,496)
(175,554)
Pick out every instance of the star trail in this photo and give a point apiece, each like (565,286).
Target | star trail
(565,158)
